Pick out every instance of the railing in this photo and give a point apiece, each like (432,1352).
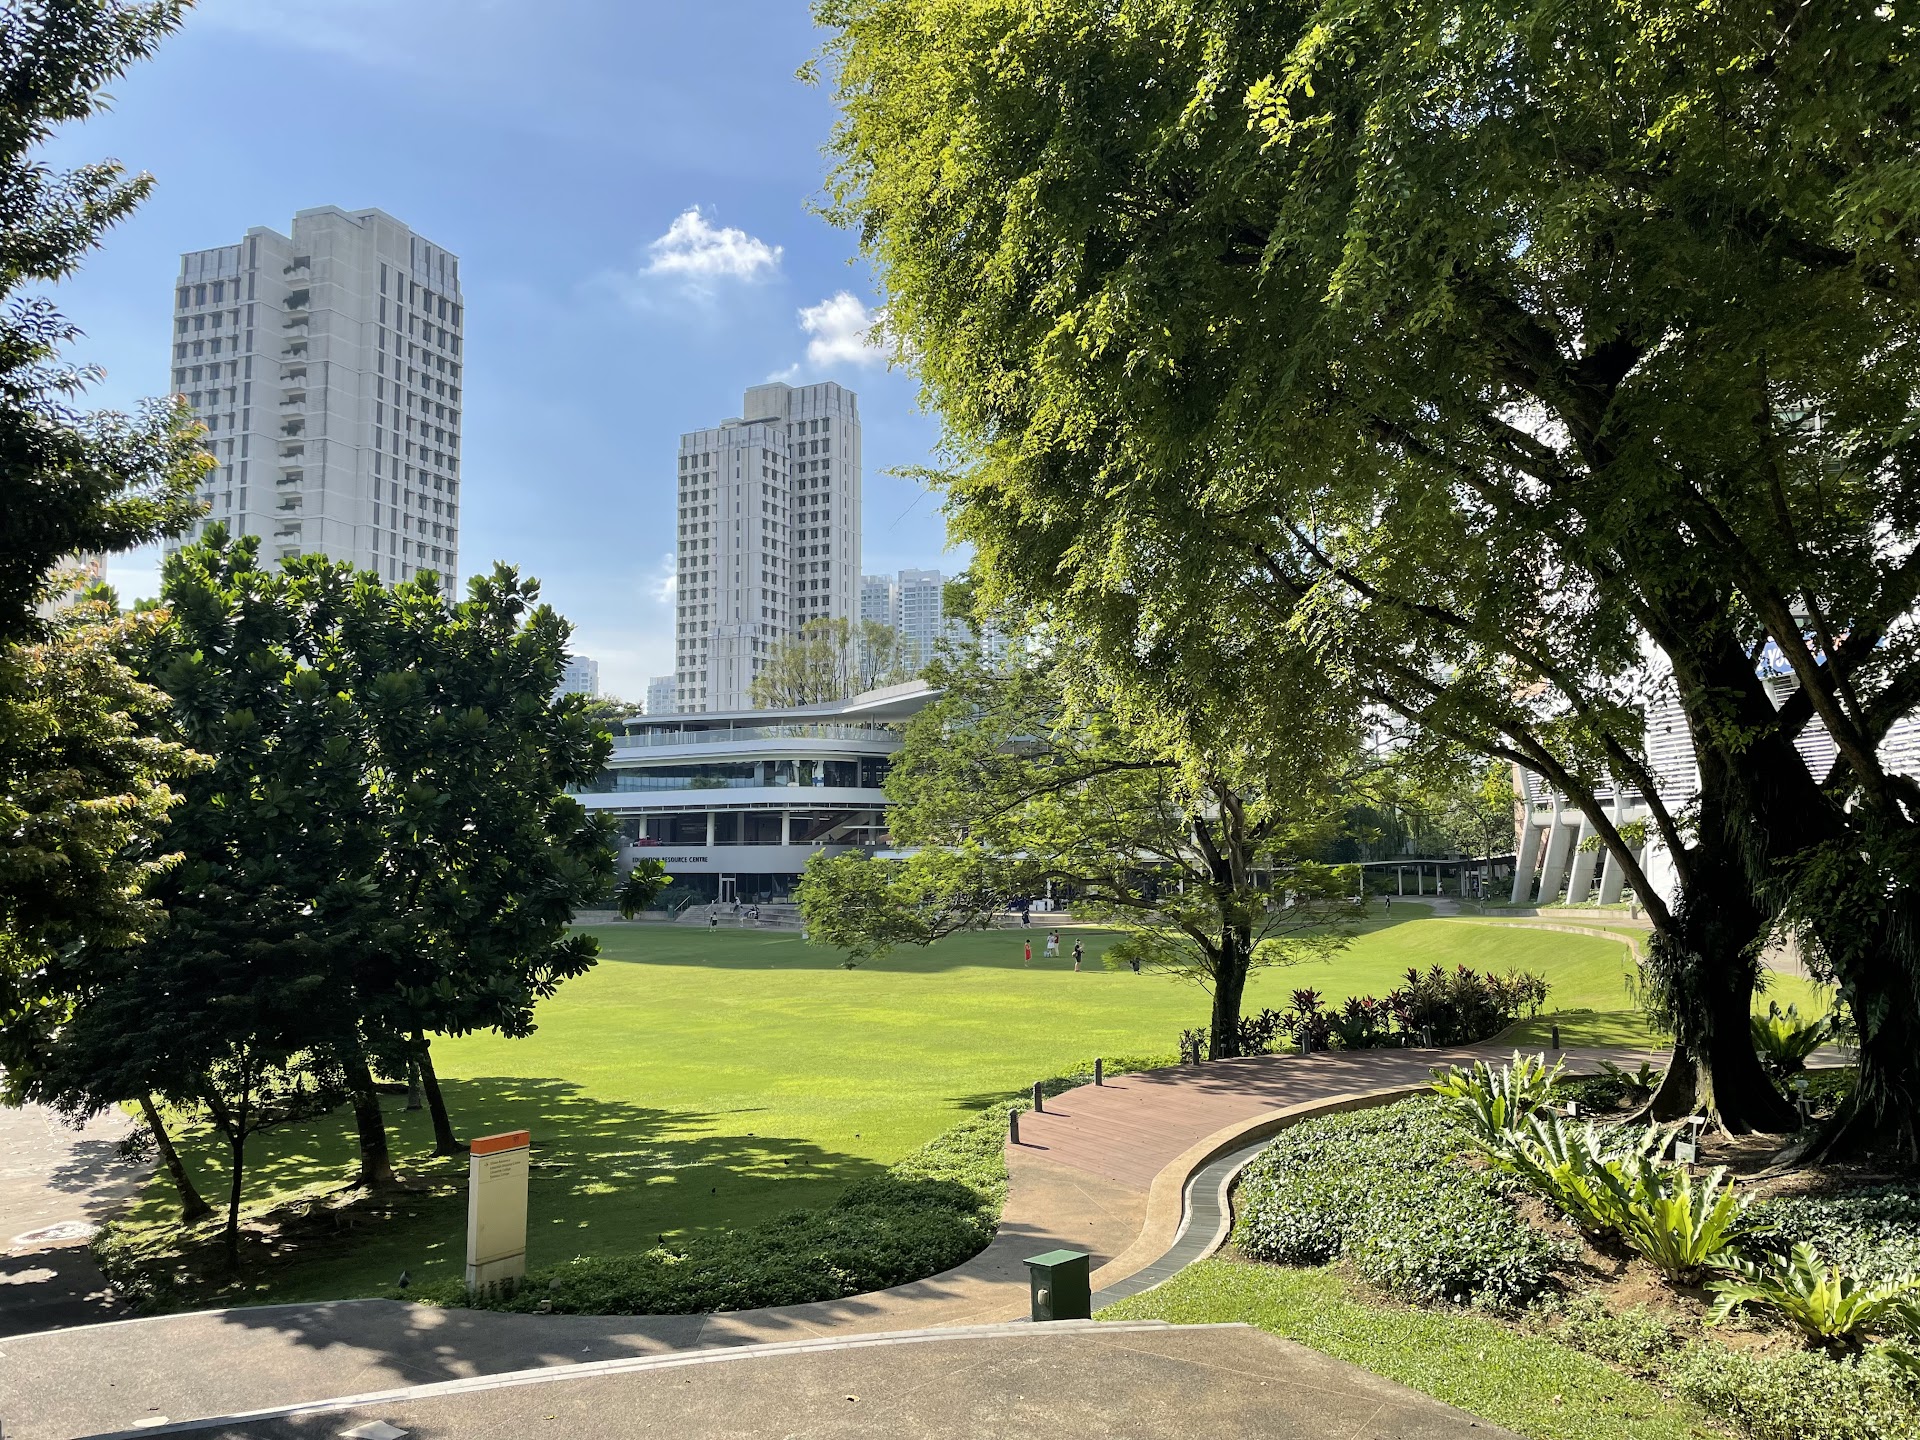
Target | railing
(736,733)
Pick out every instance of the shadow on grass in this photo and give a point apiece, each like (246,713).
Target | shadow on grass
(606,1177)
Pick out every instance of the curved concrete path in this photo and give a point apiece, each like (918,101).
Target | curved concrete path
(1104,1169)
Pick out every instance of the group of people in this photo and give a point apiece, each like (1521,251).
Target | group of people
(1052,952)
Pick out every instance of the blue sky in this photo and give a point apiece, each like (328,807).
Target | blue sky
(558,148)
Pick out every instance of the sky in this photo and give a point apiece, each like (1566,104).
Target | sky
(629,185)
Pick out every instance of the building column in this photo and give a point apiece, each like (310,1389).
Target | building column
(1523,863)
(1613,877)
(710,831)
(1553,869)
(1400,876)
(1580,871)
(786,827)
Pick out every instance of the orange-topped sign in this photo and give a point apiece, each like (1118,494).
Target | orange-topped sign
(497,1208)
(512,1140)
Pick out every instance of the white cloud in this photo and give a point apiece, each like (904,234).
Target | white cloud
(694,248)
(844,331)
(664,584)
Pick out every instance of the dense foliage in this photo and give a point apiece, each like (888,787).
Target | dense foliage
(1389,1190)
(1533,367)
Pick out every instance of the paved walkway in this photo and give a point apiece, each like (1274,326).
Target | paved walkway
(1103,1169)
(1077,1381)
(56,1185)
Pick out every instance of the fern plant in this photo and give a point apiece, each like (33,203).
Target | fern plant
(1490,1102)
(1683,1229)
(1784,1040)
(1584,1170)
(1825,1304)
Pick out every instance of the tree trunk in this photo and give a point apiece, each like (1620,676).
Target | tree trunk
(444,1142)
(376,1159)
(414,1101)
(193,1205)
(1879,985)
(1229,989)
(237,1144)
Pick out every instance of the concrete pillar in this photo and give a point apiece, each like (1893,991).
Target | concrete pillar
(1613,877)
(711,814)
(786,827)
(1523,863)
(1400,877)
(1580,868)
(1553,869)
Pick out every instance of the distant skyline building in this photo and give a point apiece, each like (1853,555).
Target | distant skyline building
(660,691)
(581,677)
(327,367)
(913,604)
(769,536)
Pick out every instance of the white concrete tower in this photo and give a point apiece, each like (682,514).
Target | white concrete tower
(768,537)
(327,366)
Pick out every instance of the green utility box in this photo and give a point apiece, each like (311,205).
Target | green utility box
(1061,1285)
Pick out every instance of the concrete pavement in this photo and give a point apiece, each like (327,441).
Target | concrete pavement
(57,1183)
(1104,1169)
(1074,1380)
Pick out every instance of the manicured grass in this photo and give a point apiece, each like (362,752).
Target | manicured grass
(1521,1380)
(701,1079)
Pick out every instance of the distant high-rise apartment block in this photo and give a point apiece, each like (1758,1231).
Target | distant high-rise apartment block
(912,603)
(327,367)
(769,535)
(581,677)
(660,694)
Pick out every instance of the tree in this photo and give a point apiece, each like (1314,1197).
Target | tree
(828,659)
(1476,809)
(1003,790)
(1611,351)
(70,483)
(606,711)
(483,855)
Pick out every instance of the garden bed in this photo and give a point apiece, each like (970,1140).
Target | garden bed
(1391,1212)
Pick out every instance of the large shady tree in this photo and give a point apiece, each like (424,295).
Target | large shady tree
(1201,851)
(1519,361)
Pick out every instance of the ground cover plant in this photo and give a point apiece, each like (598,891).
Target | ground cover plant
(696,1082)
(1761,1315)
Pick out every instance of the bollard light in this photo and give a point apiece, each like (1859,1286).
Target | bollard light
(1039,1100)
(1099,1071)
(1013,1127)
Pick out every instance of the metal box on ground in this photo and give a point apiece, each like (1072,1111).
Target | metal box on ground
(1060,1281)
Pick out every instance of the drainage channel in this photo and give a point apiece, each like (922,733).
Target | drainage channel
(1202,1230)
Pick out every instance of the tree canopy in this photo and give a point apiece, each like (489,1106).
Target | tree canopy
(1525,364)
(829,659)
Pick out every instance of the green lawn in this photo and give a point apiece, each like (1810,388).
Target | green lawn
(1522,1380)
(716,1078)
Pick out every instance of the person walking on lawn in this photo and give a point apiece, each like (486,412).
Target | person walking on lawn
(1053,945)
(1078,950)
(1026,956)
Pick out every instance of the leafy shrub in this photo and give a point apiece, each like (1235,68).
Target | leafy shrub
(1872,1234)
(1800,1395)
(1307,1021)
(1635,1085)
(1784,1040)
(1682,1229)
(930,1211)
(1362,1023)
(1385,1187)
(1488,1103)
(1804,1395)
(1193,1045)
(1583,1170)
(1462,1006)
(1824,1303)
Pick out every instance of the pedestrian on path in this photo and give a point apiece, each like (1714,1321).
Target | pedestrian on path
(1026,957)
(1026,917)
(1053,945)
(713,920)
(1078,949)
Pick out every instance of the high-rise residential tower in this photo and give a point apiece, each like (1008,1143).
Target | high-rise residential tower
(327,367)
(769,535)
(660,693)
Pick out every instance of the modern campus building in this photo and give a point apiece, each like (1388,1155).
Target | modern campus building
(735,802)
(326,366)
(1554,860)
(768,539)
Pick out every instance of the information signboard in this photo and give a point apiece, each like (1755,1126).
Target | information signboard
(497,1208)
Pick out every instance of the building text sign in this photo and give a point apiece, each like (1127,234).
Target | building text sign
(497,1208)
